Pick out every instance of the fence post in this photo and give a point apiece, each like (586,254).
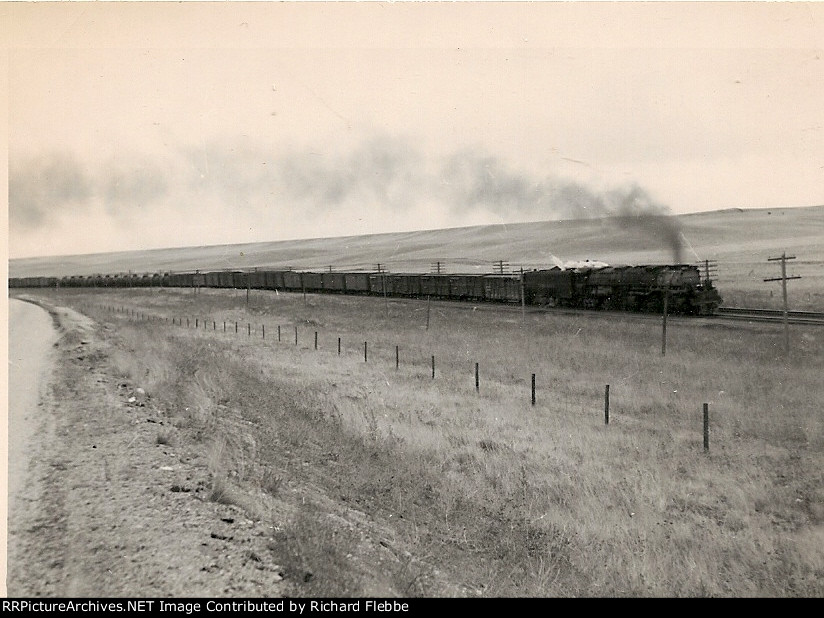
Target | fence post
(364,351)
(433,366)
(296,335)
(338,346)
(477,383)
(196,323)
(263,331)
(606,405)
(235,327)
(533,389)
(316,340)
(706,427)
(397,357)
(278,332)
(249,329)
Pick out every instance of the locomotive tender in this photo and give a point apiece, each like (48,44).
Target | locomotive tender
(619,288)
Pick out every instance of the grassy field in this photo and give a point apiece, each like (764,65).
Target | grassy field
(483,489)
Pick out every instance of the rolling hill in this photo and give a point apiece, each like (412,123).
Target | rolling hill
(729,236)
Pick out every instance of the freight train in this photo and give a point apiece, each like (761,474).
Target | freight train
(680,288)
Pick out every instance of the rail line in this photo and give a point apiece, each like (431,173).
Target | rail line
(770,315)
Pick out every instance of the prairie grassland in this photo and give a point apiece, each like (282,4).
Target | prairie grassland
(502,497)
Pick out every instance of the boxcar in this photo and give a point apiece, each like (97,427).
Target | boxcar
(549,287)
(402,284)
(334,282)
(435,285)
(293,280)
(466,287)
(258,280)
(212,279)
(313,282)
(274,279)
(502,288)
(356,283)
(379,284)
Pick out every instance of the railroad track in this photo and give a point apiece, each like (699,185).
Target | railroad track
(770,315)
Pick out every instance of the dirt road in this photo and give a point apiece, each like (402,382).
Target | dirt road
(31,335)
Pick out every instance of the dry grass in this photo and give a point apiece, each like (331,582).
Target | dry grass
(512,499)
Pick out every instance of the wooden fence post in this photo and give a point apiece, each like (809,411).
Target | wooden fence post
(606,405)
(706,427)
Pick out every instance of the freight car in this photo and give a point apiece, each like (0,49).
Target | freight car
(620,288)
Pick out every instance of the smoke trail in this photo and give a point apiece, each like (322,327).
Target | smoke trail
(40,187)
(384,173)
(132,185)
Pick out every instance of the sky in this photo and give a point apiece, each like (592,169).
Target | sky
(137,125)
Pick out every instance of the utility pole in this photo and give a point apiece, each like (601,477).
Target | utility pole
(523,300)
(783,279)
(501,267)
(436,268)
(710,270)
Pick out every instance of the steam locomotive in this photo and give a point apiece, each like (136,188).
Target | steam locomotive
(679,289)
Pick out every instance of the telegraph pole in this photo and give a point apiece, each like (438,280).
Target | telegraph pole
(783,279)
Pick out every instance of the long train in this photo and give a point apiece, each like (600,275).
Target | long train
(679,288)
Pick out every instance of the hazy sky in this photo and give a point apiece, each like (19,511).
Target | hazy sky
(143,125)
